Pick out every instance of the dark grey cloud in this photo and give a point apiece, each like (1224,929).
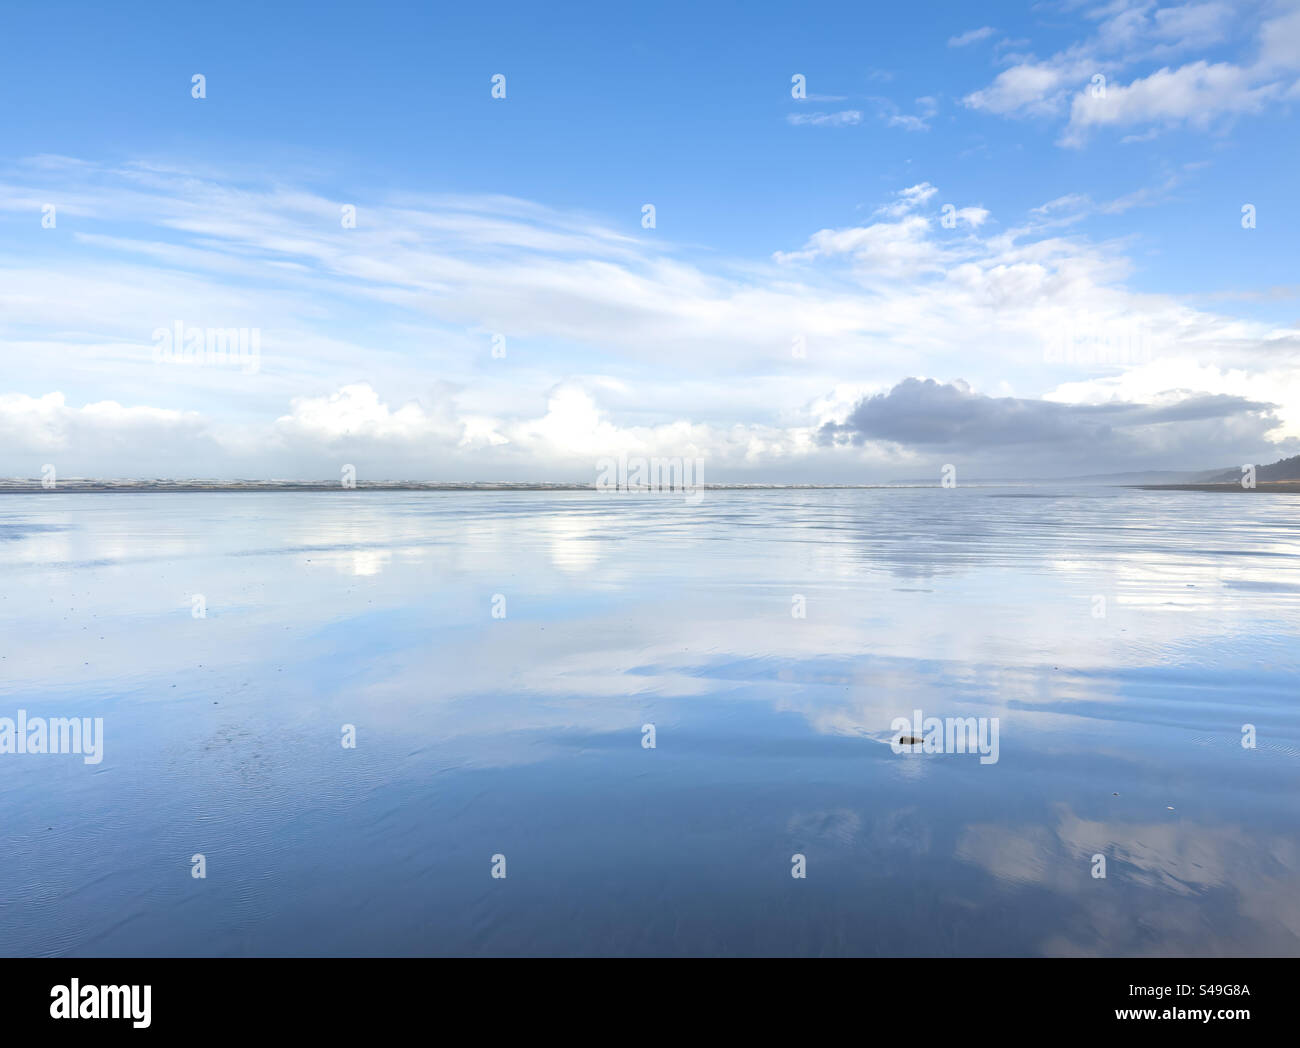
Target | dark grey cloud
(927,415)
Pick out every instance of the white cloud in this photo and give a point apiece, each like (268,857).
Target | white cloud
(908,122)
(974,217)
(1030,88)
(1069,202)
(1150,382)
(102,438)
(971,36)
(1196,93)
(898,248)
(909,199)
(845,118)
(355,412)
(1192,24)
(1280,43)
(891,115)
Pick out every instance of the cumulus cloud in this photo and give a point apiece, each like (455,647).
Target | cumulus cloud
(1196,94)
(355,412)
(902,246)
(101,438)
(1031,88)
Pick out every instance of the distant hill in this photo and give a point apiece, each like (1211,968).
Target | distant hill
(1283,469)
(1158,476)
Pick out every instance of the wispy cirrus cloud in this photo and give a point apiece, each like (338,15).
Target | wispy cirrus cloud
(971,36)
(844,118)
(892,115)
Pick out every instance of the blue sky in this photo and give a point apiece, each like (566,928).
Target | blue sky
(1114,221)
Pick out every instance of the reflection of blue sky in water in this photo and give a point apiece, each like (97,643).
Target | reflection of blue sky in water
(522,735)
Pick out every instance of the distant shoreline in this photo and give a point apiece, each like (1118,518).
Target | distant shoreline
(161,487)
(93,487)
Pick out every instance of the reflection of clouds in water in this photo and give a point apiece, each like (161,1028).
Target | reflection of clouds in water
(629,611)
(662,652)
(906,830)
(1017,856)
(357,562)
(47,547)
(1192,877)
(872,691)
(903,831)
(572,541)
(630,600)
(841,825)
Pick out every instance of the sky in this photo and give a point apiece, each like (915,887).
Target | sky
(837,243)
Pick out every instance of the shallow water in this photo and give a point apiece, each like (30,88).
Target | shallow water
(1120,734)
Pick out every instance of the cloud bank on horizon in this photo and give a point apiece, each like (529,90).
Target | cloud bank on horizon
(1061,246)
